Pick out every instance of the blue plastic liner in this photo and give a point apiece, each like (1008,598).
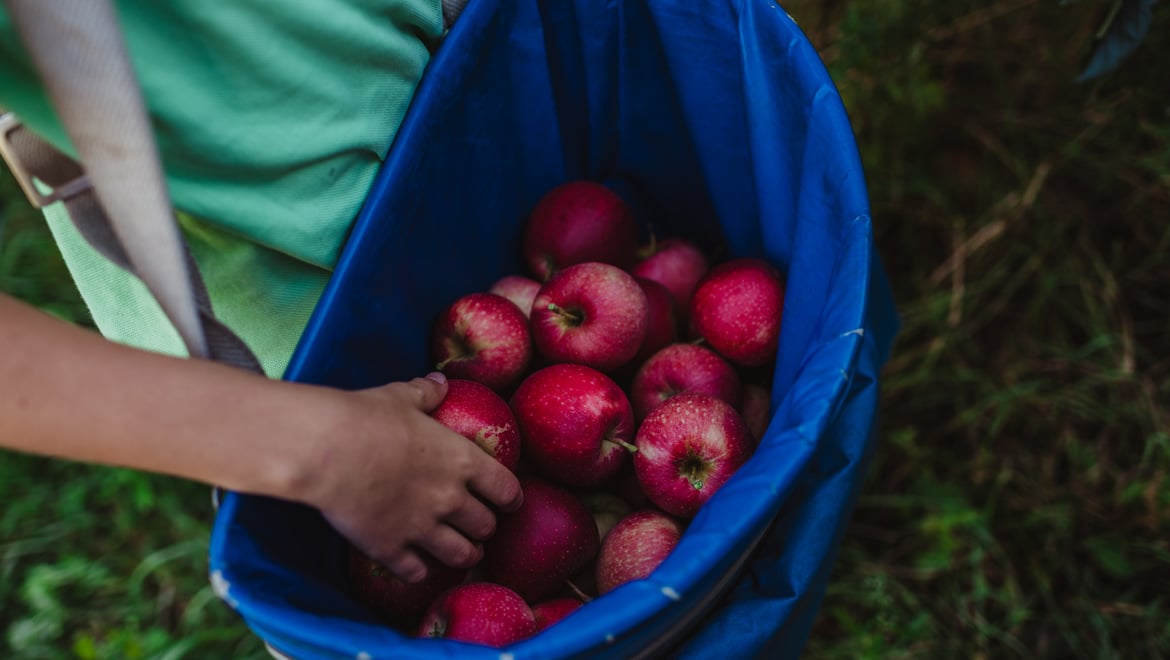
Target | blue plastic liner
(717,121)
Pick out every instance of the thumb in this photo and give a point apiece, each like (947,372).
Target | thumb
(431,391)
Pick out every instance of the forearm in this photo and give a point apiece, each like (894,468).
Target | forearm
(67,392)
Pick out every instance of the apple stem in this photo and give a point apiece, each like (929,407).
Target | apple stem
(550,267)
(560,311)
(633,449)
(650,247)
(700,341)
(455,348)
(693,469)
(580,594)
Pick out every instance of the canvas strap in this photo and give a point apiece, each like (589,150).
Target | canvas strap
(451,11)
(120,203)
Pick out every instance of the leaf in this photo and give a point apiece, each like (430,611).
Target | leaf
(1122,32)
(1112,554)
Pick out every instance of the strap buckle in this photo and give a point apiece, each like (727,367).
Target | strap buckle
(9,125)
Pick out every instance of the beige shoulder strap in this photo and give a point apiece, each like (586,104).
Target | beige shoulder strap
(78,49)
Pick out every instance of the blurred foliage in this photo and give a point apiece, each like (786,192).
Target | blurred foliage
(107,563)
(1019,504)
(31,267)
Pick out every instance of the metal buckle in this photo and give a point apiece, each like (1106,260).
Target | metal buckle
(10,124)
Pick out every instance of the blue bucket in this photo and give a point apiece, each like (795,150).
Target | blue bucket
(718,122)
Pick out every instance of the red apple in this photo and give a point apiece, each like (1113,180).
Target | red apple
(479,612)
(517,288)
(661,320)
(476,412)
(482,337)
(576,222)
(688,447)
(683,368)
(635,547)
(542,544)
(590,313)
(576,424)
(676,264)
(756,409)
(377,588)
(737,307)
(551,611)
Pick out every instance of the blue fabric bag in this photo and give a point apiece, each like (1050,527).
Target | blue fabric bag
(718,122)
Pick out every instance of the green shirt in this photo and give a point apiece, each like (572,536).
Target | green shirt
(272,120)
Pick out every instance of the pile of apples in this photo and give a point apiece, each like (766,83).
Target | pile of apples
(623,383)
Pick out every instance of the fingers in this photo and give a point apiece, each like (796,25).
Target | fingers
(496,484)
(474,520)
(407,565)
(451,547)
(423,393)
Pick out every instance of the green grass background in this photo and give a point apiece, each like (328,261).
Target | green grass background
(1019,503)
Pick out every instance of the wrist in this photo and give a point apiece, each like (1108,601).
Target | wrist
(306,425)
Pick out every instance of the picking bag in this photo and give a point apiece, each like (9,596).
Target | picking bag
(718,122)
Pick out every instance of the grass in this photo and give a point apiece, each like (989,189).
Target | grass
(1019,505)
(105,563)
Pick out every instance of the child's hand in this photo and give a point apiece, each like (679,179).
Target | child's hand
(385,474)
(394,481)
